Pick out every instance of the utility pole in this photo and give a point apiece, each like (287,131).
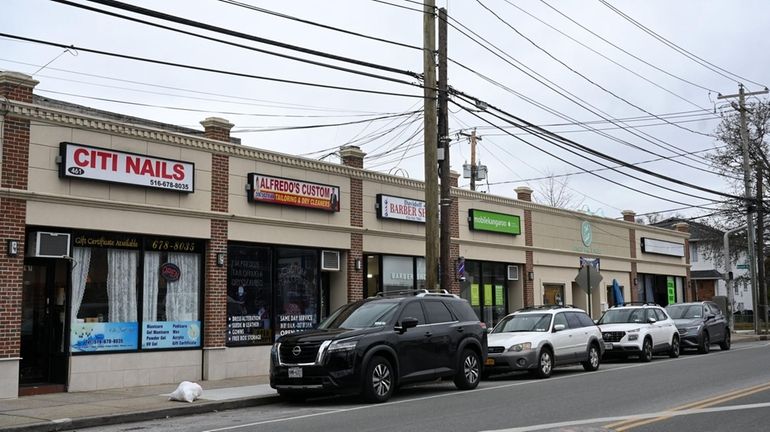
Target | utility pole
(747,194)
(443,142)
(430,144)
(474,168)
(761,251)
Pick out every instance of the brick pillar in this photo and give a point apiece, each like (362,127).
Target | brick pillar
(630,216)
(688,292)
(454,232)
(215,296)
(353,157)
(13,215)
(524,193)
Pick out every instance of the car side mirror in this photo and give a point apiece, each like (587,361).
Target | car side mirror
(652,320)
(558,327)
(711,316)
(408,323)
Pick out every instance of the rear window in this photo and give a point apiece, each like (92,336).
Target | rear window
(463,311)
(585,319)
(437,312)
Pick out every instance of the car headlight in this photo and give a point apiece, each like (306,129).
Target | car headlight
(691,329)
(520,347)
(343,345)
(633,335)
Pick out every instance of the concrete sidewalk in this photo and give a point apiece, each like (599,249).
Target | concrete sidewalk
(64,411)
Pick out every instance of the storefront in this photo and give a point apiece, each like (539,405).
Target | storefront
(486,287)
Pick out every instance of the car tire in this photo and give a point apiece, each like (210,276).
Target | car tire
(725,344)
(675,348)
(646,354)
(705,344)
(379,380)
(594,358)
(468,372)
(544,364)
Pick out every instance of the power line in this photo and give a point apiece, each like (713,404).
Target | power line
(628,53)
(197,24)
(606,58)
(553,137)
(584,77)
(399,6)
(636,127)
(324,26)
(205,69)
(572,98)
(272,104)
(705,63)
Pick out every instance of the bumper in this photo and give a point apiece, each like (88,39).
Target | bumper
(619,349)
(511,361)
(314,379)
(690,340)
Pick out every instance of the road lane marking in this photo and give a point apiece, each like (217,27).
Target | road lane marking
(477,390)
(725,397)
(598,420)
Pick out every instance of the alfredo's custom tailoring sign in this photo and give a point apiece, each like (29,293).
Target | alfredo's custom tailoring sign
(297,193)
(101,164)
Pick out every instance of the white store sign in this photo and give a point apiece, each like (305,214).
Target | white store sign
(662,247)
(94,163)
(391,207)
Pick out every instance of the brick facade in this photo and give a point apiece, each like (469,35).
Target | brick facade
(454,233)
(354,158)
(525,194)
(215,295)
(13,212)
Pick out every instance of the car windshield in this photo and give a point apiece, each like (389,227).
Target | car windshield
(360,315)
(613,316)
(524,323)
(685,311)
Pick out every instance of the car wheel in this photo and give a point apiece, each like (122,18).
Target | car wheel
(725,345)
(544,364)
(469,371)
(705,345)
(646,355)
(674,353)
(379,380)
(593,361)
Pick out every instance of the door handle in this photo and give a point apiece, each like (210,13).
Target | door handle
(428,334)
(460,329)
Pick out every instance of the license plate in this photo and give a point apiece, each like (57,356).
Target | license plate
(608,345)
(295,372)
(490,362)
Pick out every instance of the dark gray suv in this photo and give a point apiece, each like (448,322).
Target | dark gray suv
(373,346)
(700,325)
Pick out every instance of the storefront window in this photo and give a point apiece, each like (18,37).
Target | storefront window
(485,287)
(104,299)
(372,275)
(420,267)
(553,294)
(397,273)
(249,296)
(171,300)
(296,289)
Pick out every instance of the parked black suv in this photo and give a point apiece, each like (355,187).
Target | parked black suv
(373,346)
(700,325)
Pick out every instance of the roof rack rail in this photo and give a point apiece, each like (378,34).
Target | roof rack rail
(401,293)
(638,303)
(442,293)
(546,307)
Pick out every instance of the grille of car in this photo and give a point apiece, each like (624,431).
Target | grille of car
(495,349)
(295,353)
(613,336)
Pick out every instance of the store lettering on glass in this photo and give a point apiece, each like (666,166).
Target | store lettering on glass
(297,286)
(248,301)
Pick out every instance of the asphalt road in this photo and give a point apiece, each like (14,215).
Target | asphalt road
(723,390)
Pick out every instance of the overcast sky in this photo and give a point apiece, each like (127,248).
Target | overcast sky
(608,83)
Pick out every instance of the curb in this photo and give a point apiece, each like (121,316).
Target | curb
(131,417)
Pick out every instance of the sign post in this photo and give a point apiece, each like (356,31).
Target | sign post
(588,277)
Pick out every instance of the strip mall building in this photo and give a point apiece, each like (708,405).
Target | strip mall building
(136,253)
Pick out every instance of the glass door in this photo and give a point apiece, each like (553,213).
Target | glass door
(43,342)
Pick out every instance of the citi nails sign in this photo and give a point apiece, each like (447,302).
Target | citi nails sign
(101,164)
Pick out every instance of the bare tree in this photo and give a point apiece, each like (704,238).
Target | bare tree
(555,192)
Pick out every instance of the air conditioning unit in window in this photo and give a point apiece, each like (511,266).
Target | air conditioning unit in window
(330,260)
(48,245)
(513,272)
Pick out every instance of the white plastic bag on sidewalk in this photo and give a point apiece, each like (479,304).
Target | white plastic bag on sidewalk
(186,392)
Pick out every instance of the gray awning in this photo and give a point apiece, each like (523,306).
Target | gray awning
(705,274)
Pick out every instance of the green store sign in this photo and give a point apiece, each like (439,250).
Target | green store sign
(481,220)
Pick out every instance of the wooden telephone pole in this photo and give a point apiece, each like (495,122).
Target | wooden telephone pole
(430,144)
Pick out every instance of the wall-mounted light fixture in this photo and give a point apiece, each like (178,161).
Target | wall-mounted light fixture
(531,275)
(13,248)
(359,264)
(220,259)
